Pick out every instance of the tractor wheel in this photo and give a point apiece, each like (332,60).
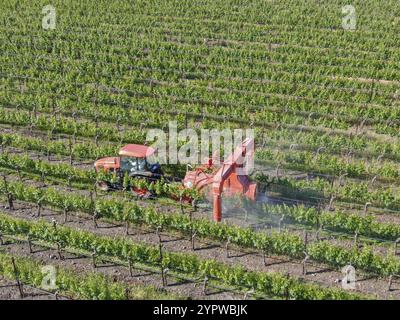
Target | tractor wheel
(103,186)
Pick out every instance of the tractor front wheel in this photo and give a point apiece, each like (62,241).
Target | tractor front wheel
(103,186)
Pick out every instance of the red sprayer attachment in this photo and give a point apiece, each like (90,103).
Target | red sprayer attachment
(231,178)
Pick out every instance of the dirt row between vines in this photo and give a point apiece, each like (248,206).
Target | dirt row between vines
(216,251)
(9,291)
(231,215)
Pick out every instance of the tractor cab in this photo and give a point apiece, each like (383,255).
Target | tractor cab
(134,159)
(137,159)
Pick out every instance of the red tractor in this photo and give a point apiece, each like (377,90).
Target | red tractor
(134,160)
(209,178)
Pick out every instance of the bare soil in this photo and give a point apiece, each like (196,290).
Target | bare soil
(204,249)
(9,291)
(208,250)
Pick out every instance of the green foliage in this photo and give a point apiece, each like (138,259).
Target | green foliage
(336,221)
(86,286)
(352,192)
(271,284)
(278,243)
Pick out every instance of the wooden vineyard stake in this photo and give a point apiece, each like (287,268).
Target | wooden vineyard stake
(380,157)
(10,198)
(341,180)
(43,178)
(30,243)
(186,119)
(59,251)
(127,228)
(96,116)
(191,229)
(95,217)
(390,283)
(330,206)
(74,135)
(158,233)
(93,208)
(318,234)
(94,259)
(332,181)
(227,247)
(305,238)
(265,255)
(164,272)
(65,214)
(69,179)
(193,240)
(194,206)
(31,122)
(304,263)
(366,208)
(373,180)
(248,294)
(205,283)
(395,245)
(161,259)
(277,170)
(287,292)
(130,267)
(92,204)
(317,153)
(127,293)
(70,152)
(160,252)
(264,140)
(19,173)
(362,124)
(5,183)
(39,207)
(281,223)
(48,153)
(54,222)
(16,274)
(181,204)
(349,156)
(356,241)
(53,128)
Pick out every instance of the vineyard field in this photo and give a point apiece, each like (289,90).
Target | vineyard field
(317,84)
